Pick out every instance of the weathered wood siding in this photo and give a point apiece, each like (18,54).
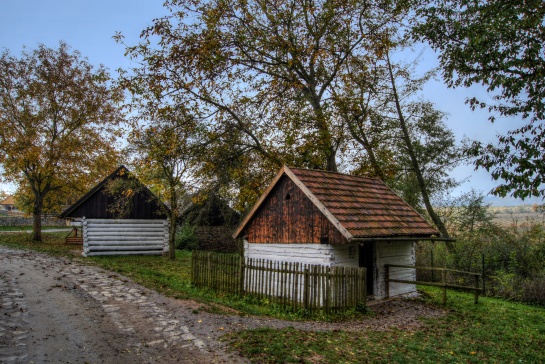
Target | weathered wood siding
(287,216)
(399,252)
(143,206)
(124,237)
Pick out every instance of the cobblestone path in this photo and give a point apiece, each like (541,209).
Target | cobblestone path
(133,322)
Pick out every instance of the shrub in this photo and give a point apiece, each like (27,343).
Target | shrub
(186,237)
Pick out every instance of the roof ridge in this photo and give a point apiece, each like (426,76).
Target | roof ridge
(331,172)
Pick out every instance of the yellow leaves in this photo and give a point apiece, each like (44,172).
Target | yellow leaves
(128,192)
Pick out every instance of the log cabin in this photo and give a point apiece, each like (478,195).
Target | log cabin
(335,219)
(144,229)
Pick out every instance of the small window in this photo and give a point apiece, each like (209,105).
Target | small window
(288,197)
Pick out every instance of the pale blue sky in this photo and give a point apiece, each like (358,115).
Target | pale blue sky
(88,26)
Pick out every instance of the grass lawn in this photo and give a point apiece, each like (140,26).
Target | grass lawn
(169,277)
(495,330)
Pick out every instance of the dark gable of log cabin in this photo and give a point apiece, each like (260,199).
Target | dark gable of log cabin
(95,203)
(287,215)
(319,207)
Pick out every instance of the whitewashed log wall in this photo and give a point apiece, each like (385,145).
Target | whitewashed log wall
(124,237)
(399,252)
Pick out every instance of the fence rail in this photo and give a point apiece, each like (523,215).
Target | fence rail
(301,286)
(444,284)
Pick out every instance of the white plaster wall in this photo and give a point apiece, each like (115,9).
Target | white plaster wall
(398,252)
(322,254)
(124,236)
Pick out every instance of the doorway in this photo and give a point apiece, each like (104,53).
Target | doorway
(367,260)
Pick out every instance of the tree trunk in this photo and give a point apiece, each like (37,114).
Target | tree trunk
(416,166)
(173,224)
(361,138)
(37,216)
(331,161)
(172,237)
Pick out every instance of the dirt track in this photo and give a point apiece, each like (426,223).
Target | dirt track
(59,311)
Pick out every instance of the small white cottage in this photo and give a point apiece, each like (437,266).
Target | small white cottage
(143,230)
(334,219)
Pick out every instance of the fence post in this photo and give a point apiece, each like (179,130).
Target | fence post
(386,281)
(241,276)
(476,289)
(444,281)
(306,288)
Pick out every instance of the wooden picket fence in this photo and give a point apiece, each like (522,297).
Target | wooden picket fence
(301,286)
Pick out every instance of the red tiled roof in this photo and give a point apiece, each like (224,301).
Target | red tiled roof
(364,206)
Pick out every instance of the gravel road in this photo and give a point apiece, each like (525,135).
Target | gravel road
(56,310)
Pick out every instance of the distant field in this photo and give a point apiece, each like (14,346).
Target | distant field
(507,215)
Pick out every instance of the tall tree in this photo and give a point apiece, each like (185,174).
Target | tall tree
(261,67)
(57,122)
(405,140)
(501,45)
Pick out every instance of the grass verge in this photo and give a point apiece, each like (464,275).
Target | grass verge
(29,228)
(495,331)
(169,277)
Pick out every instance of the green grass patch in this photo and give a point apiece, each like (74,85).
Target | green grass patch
(169,277)
(29,228)
(495,331)
(52,242)
(173,278)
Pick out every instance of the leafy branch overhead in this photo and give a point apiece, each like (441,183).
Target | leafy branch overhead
(501,45)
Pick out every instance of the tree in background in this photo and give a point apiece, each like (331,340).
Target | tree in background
(404,139)
(165,154)
(499,44)
(58,118)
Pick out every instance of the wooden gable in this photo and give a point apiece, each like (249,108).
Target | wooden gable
(288,216)
(95,204)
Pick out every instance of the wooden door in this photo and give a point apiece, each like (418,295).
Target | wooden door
(367,260)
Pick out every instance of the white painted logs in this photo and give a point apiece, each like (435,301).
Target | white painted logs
(124,237)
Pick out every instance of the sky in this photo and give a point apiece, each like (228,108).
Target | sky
(88,26)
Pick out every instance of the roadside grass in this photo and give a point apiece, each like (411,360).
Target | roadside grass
(52,242)
(29,228)
(169,277)
(173,279)
(494,330)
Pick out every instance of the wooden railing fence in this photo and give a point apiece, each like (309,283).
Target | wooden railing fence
(301,286)
(444,283)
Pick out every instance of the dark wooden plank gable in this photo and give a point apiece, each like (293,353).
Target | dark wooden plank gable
(97,207)
(96,203)
(288,216)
